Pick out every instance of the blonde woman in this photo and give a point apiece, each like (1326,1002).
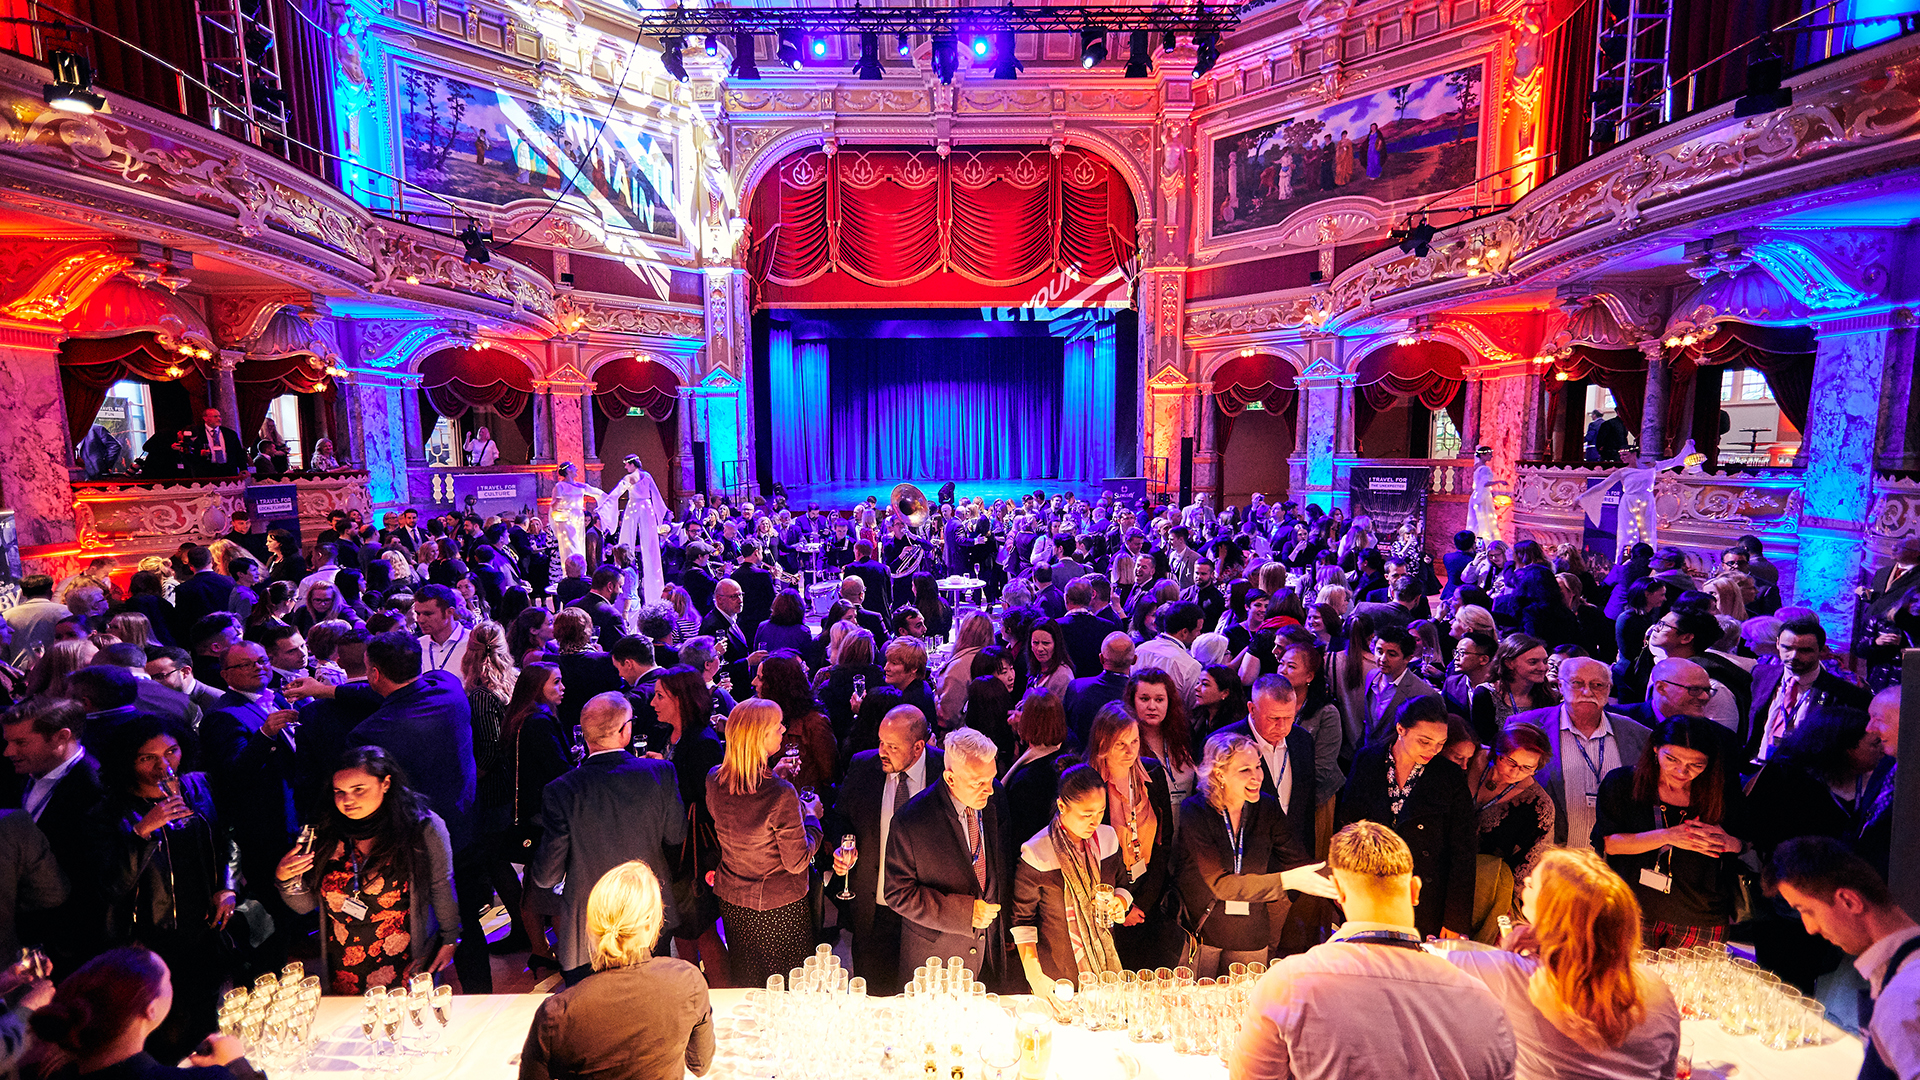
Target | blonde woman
(48,680)
(162,569)
(976,633)
(226,553)
(638,1015)
(768,834)
(132,628)
(1578,1001)
(1337,597)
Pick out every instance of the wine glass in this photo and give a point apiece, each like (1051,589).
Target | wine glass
(393,1012)
(849,850)
(443,1013)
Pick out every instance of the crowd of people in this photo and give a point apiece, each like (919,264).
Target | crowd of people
(1168,735)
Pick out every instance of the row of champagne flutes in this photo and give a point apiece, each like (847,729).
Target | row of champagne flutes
(1165,1005)
(409,1021)
(1709,984)
(274,1018)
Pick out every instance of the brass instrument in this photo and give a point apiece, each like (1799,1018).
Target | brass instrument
(911,503)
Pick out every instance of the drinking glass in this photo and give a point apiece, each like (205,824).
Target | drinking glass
(1000,1056)
(1813,1022)
(1034,1030)
(849,849)
(1683,1065)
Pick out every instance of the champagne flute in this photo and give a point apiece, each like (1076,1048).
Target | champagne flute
(443,1012)
(849,850)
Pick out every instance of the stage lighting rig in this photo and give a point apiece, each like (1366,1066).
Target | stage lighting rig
(670,58)
(1139,54)
(1093,47)
(788,52)
(476,243)
(744,68)
(868,66)
(72,87)
(946,57)
(1005,64)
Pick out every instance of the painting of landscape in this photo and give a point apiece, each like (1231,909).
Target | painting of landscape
(1400,142)
(485,145)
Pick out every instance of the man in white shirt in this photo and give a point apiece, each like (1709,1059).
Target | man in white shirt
(1320,1014)
(878,784)
(1171,651)
(481,449)
(219,447)
(324,572)
(1588,743)
(443,641)
(1841,898)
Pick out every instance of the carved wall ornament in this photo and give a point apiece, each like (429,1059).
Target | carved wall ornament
(608,319)
(882,101)
(743,100)
(1118,101)
(1003,101)
(64,283)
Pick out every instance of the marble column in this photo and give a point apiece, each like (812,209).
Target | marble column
(569,442)
(1898,448)
(1849,377)
(683,472)
(35,446)
(377,406)
(414,432)
(1653,415)
(542,425)
(1320,403)
(1470,420)
(226,396)
(1346,438)
(1503,427)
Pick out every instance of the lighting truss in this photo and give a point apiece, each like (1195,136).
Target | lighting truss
(1195,19)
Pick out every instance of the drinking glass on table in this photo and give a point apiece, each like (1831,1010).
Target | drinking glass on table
(442,1014)
(1683,1065)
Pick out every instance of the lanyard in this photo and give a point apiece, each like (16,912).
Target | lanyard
(1504,792)
(437,662)
(1593,766)
(1280,779)
(1384,937)
(1239,839)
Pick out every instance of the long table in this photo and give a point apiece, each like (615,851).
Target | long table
(487,1031)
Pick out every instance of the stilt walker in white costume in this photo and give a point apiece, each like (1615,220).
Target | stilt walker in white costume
(1637,523)
(639,525)
(569,513)
(1483,518)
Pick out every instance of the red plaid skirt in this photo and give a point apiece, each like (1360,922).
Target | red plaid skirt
(1663,935)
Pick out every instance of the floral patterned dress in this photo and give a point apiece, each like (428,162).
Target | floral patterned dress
(375,948)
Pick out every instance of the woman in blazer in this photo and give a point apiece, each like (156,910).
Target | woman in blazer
(1409,786)
(1140,809)
(1237,858)
(1034,779)
(1058,925)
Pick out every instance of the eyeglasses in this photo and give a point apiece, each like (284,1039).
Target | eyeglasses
(1704,693)
(1523,770)
(1586,686)
(261,662)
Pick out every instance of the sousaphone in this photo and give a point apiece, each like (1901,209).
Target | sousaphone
(911,503)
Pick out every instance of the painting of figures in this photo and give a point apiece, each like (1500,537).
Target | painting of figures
(488,146)
(1418,138)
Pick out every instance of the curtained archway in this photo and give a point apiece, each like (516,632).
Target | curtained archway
(455,381)
(625,384)
(1238,385)
(1427,372)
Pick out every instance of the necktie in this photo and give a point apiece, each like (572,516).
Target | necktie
(978,850)
(900,795)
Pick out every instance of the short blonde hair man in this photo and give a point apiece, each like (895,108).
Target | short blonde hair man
(624,916)
(1370,849)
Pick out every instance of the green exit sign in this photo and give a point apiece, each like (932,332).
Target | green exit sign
(1256,406)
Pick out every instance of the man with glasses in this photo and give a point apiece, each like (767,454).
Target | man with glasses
(1588,742)
(1686,633)
(1472,666)
(1784,692)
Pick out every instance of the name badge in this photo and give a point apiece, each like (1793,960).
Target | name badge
(1237,907)
(1593,799)
(354,908)
(1655,880)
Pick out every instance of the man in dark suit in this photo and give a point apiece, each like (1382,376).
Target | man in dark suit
(216,449)
(240,531)
(408,531)
(878,785)
(612,808)
(726,627)
(948,871)
(210,638)
(1286,752)
(1436,819)
(598,604)
(854,591)
(204,592)
(870,571)
(1685,633)
(1391,685)
(1457,561)
(1086,695)
(63,795)
(1784,691)
(698,577)
(633,658)
(1589,741)
(756,589)
(149,696)
(1083,630)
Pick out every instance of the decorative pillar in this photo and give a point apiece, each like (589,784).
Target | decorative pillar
(227,398)
(542,424)
(1849,377)
(1898,447)
(1470,420)
(377,403)
(1320,409)
(683,470)
(415,444)
(730,350)
(569,441)
(35,445)
(1653,415)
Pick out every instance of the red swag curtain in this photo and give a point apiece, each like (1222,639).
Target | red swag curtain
(257,382)
(456,380)
(1244,380)
(894,217)
(89,366)
(1783,355)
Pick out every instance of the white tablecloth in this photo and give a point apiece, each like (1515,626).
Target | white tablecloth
(488,1031)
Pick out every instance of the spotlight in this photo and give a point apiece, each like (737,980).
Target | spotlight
(259,42)
(1419,239)
(1093,47)
(1170,42)
(744,68)
(475,241)
(1206,53)
(904,48)
(713,45)
(819,46)
(1005,64)
(789,51)
(981,46)
(72,87)
(868,66)
(1764,93)
(670,58)
(1139,54)
(946,58)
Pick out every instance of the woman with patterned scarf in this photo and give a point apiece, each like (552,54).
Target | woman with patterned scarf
(1062,918)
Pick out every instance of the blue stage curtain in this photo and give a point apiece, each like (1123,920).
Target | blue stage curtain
(1086,419)
(946,409)
(797,385)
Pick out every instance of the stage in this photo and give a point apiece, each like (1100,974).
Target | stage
(843,496)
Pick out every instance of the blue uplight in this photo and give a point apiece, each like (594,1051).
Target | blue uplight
(819,47)
(981,46)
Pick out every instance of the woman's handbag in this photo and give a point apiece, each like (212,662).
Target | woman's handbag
(1190,940)
(518,843)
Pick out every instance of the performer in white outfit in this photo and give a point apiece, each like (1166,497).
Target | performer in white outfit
(1638,523)
(481,449)
(1483,518)
(569,513)
(639,526)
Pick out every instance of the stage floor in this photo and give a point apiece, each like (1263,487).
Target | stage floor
(842,496)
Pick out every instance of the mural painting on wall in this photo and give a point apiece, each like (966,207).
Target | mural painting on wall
(484,145)
(1400,142)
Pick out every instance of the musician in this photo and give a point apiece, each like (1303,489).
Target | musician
(756,588)
(905,554)
(837,545)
